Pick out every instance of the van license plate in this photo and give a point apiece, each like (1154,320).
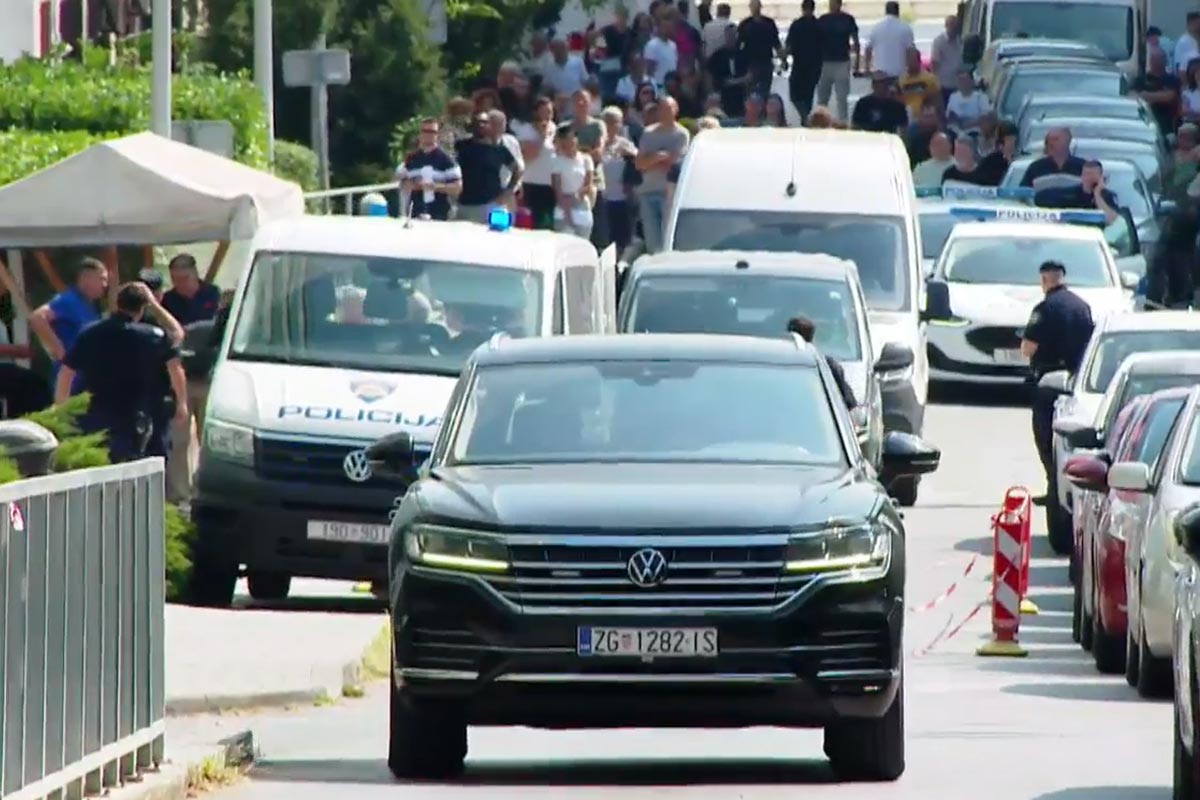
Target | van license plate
(356,532)
(1009,357)
(645,642)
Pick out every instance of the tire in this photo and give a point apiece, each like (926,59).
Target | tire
(212,580)
(427,739)
(905,491)
(869,749)
(1060,527)
(1186,779)
(269,585)
(1077,614)
(1108,651)
(1132,658)
(1086,629)
(1156,676)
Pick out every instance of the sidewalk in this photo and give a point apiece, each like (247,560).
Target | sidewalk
(242,658)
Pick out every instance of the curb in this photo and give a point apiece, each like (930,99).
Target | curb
(175,778)
(334,686)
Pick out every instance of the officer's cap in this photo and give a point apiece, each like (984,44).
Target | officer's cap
(1053,266)
(152,279)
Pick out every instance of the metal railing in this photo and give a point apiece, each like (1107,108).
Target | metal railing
(322,202)
(82,602)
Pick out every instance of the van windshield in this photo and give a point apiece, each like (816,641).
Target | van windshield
(386,314)
(1109,27)
(875,244)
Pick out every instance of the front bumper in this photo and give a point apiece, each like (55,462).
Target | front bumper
(244,518)
(830,651)
(966,354)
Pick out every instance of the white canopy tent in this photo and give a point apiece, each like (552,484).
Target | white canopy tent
(142,189)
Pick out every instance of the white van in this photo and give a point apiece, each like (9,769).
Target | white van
(343,330)
(845,193)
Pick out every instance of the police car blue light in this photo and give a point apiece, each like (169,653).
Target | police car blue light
(967,192)
(500,219)
(1068,216)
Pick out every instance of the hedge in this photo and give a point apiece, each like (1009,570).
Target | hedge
(80,451)
(26,152)
(295,162)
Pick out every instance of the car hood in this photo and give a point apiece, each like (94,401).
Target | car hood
(645,496)
(328,402)
(999,304)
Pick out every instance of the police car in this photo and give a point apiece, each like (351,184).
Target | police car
(934,205)
(985,283)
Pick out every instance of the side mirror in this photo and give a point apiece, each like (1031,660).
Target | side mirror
(1087,472)
(906,455)
(391,456)
(972,49)
(937,301)
(1058,381)
(1079,435)
(1129,476)
(1187,530)
(1130,280)
(894,358)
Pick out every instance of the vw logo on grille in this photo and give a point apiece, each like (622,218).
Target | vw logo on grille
(357,467)
(647,567)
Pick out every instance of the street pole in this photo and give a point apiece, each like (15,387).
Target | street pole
(160,87)
(55,27)
(264,67)
(320,122)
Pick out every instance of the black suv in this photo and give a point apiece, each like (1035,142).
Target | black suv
(648,530)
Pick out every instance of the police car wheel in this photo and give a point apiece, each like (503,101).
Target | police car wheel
(905,491)
(268,585)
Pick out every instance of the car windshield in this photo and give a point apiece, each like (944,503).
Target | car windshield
(1157,429)
(935,230)
(747,305)
(384,314)
(1121,130)
(1113,348)
(1059,80)
(1189,466)
(1062,107)
(1109,27)
(1015,261)
(647,411)
(1123,181)
(876,245)
(1139,385)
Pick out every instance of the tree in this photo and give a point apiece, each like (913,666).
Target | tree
(483,33)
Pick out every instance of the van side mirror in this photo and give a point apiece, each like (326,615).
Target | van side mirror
(391,456)
(1130,280)
(894,358)
(906,455)
(1058,381)
(972,49)
(1129,476)
(1187,530)
(937,301)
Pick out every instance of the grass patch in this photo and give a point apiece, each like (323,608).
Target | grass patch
(353,692)
(377,658)
(210,774)
(323,700)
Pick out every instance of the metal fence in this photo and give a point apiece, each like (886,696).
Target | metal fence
(82,599)
(345,199)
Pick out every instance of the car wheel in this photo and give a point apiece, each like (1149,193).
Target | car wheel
(1155,675)
(1132,657)
(1076,613)
(428,739)
(1086,627)
(212,580)
(869,749)
(269,585)
(905,491)
(1061,527)
(1108,651)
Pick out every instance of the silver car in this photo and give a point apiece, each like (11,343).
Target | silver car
(1115,338)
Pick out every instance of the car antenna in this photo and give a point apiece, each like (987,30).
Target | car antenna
(790,189)
(408,207)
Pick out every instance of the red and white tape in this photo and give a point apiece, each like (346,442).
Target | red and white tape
(941,598)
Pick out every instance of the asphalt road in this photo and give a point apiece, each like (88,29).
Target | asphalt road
(1042,728)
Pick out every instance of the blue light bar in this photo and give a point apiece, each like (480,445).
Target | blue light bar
(969,192)
(1068,216)
(500,219)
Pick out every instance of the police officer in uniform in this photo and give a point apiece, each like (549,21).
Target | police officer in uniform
(120,360)
(1054,338)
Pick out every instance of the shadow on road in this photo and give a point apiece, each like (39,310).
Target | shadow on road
(1108,793)
(329,605)
(1108,690)
(648,772)
(963,394)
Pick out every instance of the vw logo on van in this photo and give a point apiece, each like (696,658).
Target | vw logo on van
(647,567)
(357,467)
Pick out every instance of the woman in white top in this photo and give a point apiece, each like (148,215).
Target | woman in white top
(573,178)
(537,148)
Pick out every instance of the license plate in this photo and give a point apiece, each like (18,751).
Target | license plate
(647,642)
(1009,357)
(357,532)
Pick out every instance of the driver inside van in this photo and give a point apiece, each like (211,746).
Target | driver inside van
(350,308)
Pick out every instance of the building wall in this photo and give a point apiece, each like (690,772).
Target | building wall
(21,30)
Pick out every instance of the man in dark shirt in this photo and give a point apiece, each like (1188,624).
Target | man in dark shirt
(806,329)
(994,166)
(880,111)
(189,299)
(803,45)
(618,45)
(429,175)
(730,74)
(1054,338)
(481,159)
(1058,159)
(839,38)
(120,360)
(1090,195)
(1160,89)
(758,39)
(966,168)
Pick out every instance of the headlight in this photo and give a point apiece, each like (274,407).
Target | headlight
(230,442)
(839,548)
(450,548)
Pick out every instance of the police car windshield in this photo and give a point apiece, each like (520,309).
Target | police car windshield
(386,314)
(746,305)
(1114,348)
(874,244)
(935,230)
(1015,261)
(647,411)
(1109,27)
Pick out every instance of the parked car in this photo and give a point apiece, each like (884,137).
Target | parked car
(1033,133)
(1036,105)
(1042,77)
(1186,639)
(1003,50)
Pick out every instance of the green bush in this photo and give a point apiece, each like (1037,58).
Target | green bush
(295,162)
(27,152)
(8,470)
(180,532)
(40,96)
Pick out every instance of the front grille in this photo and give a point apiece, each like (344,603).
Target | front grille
(316,462)
(698,575)
(445,649)
(863,647)
(988,340)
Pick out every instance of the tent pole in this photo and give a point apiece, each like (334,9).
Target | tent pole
(47,267)
(264,68)
(218,259)
(114,275)
(148,256)
(14,282)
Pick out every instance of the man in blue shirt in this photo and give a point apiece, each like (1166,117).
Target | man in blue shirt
(57,323)
(189,299)
(430,175)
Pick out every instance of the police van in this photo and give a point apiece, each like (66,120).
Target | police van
(343,330)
